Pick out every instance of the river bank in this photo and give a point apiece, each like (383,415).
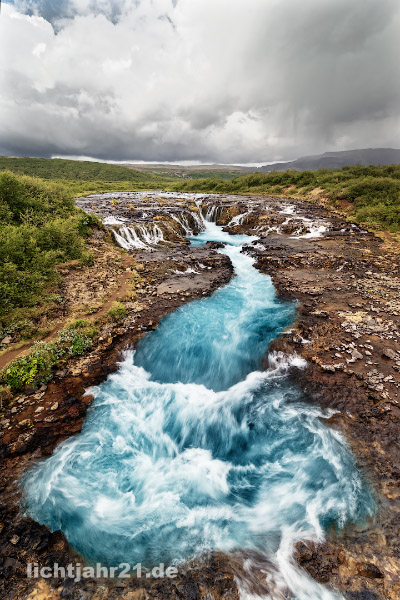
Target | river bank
(347,331)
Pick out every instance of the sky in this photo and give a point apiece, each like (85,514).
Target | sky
(213,81)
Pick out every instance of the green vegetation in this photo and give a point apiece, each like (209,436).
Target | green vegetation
(32,370)
(117,312)
(39,229)
(36,368)
(194,172)
(76,338)
(85,177)
(70,170)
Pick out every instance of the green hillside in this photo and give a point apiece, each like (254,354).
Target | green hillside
(71,170)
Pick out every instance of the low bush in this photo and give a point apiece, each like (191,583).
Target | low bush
(36,368)
(87,259)
(31,370)
(117,312)
(76,338)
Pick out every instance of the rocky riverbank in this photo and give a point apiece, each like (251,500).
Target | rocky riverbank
(347,285)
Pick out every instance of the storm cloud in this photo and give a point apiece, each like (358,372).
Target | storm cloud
(230,81)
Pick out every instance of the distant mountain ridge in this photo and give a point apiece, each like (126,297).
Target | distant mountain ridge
(336,160)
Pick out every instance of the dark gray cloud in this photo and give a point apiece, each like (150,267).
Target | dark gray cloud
(225,81)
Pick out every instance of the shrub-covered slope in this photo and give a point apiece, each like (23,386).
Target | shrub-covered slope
(39,228)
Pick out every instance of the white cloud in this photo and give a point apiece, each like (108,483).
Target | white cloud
(215,80)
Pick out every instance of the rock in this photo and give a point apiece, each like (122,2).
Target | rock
(370,570)
(54,406)
(357,355)
(328,368)
(25,424)
(6,340)
(389,353)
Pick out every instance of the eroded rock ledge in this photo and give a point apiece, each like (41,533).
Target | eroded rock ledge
(347,285)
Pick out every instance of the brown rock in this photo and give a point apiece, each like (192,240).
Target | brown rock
(370,570)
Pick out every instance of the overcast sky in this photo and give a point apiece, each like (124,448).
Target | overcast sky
(231,81)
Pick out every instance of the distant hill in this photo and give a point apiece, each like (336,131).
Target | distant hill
(76,170)
(337,160)
(194,172)
(79,170)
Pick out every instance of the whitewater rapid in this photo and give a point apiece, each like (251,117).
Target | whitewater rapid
(193,447)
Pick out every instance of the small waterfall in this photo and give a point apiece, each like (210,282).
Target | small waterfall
(138,237)
(212,213)
(238,220)
(199,203)
(189,229)
(199,219)
(183,222)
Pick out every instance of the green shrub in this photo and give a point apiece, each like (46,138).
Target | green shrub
(73,342)
(36,368)
(117,312)
(39,228)
(79,324)
(32,370)
(76,338)
(87,259)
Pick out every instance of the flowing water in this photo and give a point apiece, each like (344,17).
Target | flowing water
(191,446)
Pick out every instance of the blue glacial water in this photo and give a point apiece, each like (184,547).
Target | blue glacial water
(191,446)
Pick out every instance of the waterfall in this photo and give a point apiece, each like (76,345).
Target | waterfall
(138,236)
(238,220)
(183,219)
(212,213)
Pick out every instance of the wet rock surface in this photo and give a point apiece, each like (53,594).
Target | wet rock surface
(347,287)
